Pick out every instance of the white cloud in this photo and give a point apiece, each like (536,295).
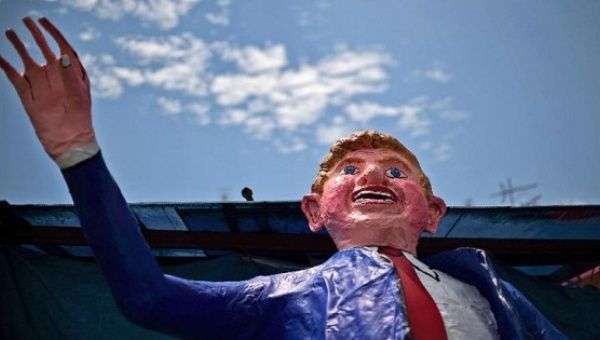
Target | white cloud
(442,104)
(107,59)
(414,117)
(132,77)
(200,112)
(303,110)
(164,13)
(174,48)
(178,77)
(86,5)
(253,59)
(152,48)
(107,86)
(411,116)
(413,120)
(235,89)
(104,83)
(175,63)
(34,13)
(259,126)
(295,97)
(220,18)
(442,152)
(62,10)
(89,33)
(347,62)
(329,133)
(446,112)
(294,145)
(435,73)
(234,117)
(365,111)
(170,107)
(306,75)
(261,93)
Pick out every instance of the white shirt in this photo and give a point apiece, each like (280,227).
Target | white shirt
(466,314)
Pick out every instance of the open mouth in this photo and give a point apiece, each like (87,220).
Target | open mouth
(374,195)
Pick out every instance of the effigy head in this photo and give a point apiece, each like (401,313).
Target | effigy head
(368,139)
(371,191)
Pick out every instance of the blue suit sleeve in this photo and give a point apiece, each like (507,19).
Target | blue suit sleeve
(143,293)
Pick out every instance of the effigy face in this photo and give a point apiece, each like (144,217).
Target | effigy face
(373,197)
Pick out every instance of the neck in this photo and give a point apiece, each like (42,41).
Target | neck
(394,247)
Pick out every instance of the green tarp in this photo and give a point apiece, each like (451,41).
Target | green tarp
(575,311)
(49,297)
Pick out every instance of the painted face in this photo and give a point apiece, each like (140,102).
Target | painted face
(373,197)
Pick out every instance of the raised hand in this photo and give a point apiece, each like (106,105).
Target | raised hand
(56,96)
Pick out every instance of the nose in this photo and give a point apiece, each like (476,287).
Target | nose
(372,174)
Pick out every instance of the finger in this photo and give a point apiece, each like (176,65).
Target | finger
(19,82)
(73,83)
(85,77)
(39,38)
(63,44)
(65,47)
(28,62)
(12,74)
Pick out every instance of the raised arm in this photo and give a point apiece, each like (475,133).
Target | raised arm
(56,97)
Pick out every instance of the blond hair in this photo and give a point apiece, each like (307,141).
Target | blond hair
(366,140)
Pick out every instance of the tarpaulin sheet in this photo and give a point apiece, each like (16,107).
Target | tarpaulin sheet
(575,311)
(50,297)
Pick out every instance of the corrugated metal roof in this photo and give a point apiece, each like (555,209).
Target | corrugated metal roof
(544,222)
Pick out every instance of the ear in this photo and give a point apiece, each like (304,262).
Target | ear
(311,207)
(437,210)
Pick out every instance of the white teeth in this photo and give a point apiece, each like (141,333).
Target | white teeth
(373,194)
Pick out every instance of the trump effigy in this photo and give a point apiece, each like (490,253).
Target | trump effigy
(371,196)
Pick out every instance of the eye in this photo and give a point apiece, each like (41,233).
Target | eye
(349,170)
(395,173)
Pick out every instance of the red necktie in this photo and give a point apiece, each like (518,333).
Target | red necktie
(424,317)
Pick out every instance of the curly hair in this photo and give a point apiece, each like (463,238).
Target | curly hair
(366,140)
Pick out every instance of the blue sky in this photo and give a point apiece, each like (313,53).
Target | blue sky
(193,100)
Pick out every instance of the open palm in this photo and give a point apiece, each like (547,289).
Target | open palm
(56,96)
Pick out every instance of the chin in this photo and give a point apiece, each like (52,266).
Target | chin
(382,230)
(373,208)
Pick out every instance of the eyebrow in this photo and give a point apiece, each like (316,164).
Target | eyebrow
(352,160)
(391,159)
(397,160)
